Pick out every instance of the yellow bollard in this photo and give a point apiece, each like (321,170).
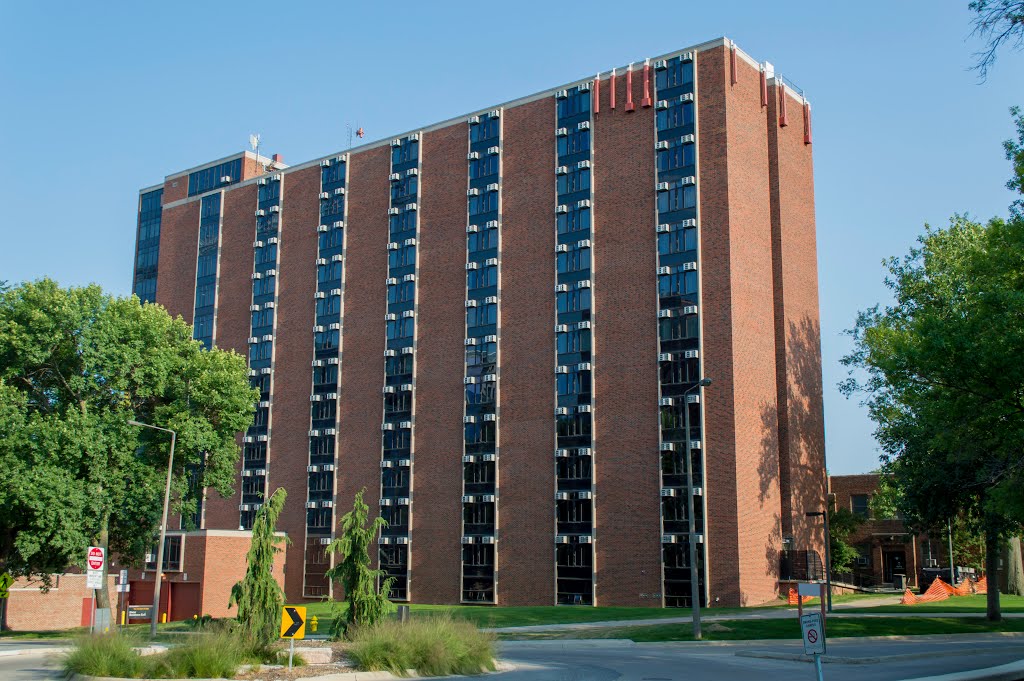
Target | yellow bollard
(313,621)
(163,618)
(124,616)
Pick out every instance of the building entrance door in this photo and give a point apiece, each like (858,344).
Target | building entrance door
(893,563)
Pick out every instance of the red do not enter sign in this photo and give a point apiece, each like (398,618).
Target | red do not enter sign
(94,559)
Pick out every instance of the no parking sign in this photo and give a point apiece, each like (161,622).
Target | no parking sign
(813,634)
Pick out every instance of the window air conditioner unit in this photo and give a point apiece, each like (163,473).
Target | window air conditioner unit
(660,65)
(561,170)
(275,209)
(661,145)
(225,178)
(325,195)
(325,163)
(584,125)
(561,132)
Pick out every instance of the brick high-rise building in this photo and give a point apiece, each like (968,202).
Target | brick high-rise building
(496,325)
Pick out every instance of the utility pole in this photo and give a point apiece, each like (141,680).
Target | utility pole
(159,575)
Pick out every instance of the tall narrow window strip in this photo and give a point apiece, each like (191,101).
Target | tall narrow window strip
(323,399)
(266,253)
(397,439)
(574,518)
(679,325)
(481,433)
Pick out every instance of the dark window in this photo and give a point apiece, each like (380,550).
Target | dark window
(266,254)
(483,167)
(483,239)
(678,328)
(328,272)
(407,151)
(573,425)
(860,505)
(404,188)
(403,256)
(332,238)
(574,383)
(573,220)
(574,300)
(577,102)
(676,74)
(402,292)
(326,340)
(330,305)
(677,198)
(679,156)
(482,277)
(480,433)
(400,328)
(172,555)
(402,222)
(484,202)
(210,178)
(486,129)
(573,260)
(679,370)
(678,282)
(574,181)
(325,409)
(677,115)
(481,393)
(398,365)
(482,315)
(574,511)
(678,239)
(576,340)
(575,142)
(482,354)
(332,173)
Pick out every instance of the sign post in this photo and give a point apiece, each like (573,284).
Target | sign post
(813,635)
(293,626)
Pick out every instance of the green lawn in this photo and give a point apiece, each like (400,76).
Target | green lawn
(974,603)
(489,616)
(742,630)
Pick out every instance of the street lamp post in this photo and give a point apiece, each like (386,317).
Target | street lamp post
(828,553)
(155,615)
(691,524)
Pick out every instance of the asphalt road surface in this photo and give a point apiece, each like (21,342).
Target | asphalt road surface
(853,660)
(596,660)
(34,667)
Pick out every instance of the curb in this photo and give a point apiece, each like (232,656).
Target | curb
(901,657)
(340,676)
(1007,672)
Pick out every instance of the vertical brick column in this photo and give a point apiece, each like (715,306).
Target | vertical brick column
(526,465)
(176,270)
(360,407)
(234,296)
(293,352)
(797,327)
(744,516)
(627,465)
(436,546)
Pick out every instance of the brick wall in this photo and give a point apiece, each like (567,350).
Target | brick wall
(293,356)
(31,609)
(797,326)
(360,404)
(625,340)
(526,422)
(179,248)
(436,544)
(234,295)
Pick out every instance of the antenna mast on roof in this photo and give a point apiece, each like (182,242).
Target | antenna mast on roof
(254,142)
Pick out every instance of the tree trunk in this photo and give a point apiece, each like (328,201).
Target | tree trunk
(992,569)
(1013,567)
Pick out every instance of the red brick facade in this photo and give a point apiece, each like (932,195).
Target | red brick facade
(762,430)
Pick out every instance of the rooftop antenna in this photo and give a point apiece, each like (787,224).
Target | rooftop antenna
(360,133)
(254,142)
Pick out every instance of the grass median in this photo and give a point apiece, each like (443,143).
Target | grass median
(745,630)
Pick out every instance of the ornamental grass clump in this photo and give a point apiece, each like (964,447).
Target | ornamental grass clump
(104,655)
(432,646)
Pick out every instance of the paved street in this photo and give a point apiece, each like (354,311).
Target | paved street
(34,667)
(887,660)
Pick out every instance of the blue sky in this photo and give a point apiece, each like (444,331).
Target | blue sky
(101,99)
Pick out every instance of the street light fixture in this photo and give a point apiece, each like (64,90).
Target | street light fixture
(828,553)
(691,525)
(163,527)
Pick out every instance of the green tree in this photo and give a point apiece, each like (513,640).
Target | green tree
(75,365)
(841,524)
(997,22)
(941,370)
(258,596)
(366,603)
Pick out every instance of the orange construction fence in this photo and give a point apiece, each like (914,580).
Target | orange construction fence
(940,591)
(794,597)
